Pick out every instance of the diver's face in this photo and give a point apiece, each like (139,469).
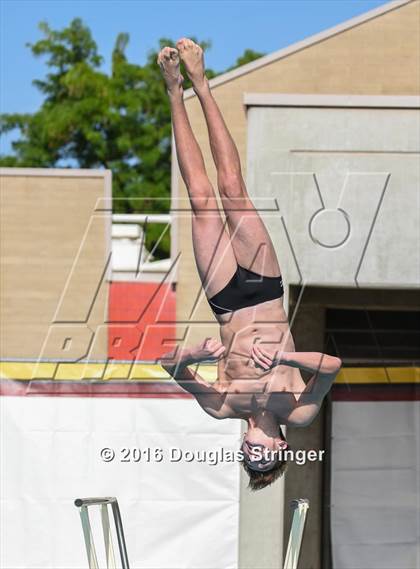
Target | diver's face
(260,451)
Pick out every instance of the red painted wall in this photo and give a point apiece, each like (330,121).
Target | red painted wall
(142,317)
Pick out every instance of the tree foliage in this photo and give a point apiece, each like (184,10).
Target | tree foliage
(90,119)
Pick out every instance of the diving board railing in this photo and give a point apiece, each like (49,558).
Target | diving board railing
(83,504)
(300,509)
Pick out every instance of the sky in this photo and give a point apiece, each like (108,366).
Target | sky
(231,25)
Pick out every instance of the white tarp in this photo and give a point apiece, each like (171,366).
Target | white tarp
(175,514)
(375,490)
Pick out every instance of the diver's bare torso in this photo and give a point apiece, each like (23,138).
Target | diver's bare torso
(246,386)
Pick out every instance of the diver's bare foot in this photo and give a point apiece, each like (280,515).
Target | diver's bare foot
(192,56)
(168,60)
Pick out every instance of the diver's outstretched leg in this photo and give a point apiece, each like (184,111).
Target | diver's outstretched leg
(250,240)
(214,256)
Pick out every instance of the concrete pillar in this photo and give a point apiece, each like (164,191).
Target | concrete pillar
(306,481)
(261,526)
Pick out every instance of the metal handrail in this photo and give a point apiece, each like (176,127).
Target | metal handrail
(79,502)
(300,508)
(83,504)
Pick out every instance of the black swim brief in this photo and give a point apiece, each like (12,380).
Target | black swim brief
(246,288)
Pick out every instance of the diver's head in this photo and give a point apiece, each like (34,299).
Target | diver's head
(262,455)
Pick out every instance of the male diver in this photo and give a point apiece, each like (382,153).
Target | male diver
(259,371)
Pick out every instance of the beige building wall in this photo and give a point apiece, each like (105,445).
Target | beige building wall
(55,244)
(376,54)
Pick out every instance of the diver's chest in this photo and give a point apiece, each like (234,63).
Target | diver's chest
(251,396)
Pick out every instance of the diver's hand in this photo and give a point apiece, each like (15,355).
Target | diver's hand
(266,358)
(180,358)
(211,349)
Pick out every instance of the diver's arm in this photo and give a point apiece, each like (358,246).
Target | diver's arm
(210,350)
(310,401)
(324,368)
(175,362)
(206,394)
(315,362)
(308,361)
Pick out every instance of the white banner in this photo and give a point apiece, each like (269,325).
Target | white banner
(375,487)
(179,508)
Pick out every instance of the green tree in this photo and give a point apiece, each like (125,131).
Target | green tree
(91,119)
(247,56)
